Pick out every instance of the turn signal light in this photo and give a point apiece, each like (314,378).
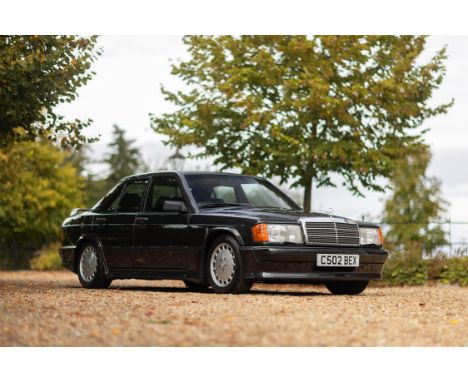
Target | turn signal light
(260,232)
(380,236)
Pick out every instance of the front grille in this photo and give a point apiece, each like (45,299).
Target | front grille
(331,231)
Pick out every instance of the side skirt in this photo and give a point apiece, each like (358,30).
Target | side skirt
(153,274)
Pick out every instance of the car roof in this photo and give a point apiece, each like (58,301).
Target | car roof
(185,173)
(210,173)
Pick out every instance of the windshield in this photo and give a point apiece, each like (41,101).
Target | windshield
(231,190)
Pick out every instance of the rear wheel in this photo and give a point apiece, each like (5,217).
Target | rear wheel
(90,268)
(346,287)
(225,273)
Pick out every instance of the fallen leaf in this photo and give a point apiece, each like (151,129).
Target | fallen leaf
(95,333)
(162,322)
(189,321)
(116,331)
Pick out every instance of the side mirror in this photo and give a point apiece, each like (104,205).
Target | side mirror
(174,206)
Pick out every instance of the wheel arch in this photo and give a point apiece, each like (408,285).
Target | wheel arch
(210,237)
(89,239)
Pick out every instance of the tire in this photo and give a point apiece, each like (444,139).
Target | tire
(347,287)
(90,268)
(196,286)
(225,273)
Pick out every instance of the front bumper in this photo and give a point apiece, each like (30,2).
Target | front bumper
(298,264)
(67,254)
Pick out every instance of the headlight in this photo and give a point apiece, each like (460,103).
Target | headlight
(277,233)
(369,236)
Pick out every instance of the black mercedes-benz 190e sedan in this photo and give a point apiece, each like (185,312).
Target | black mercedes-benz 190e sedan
(224,231)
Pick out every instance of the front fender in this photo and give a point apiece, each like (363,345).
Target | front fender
(94,239)
(210,235)
(218,230)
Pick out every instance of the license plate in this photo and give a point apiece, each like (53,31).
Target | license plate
(331,260)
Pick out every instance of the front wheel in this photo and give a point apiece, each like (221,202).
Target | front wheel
(91,268)
(225,273)
(347,287)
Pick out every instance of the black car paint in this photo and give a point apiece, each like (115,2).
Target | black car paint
(173,245)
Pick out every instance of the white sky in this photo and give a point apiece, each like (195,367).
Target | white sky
(126,89)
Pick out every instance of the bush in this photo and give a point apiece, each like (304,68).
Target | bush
(15,257)
(38,188)
(436,264)
(403,269)
(47,258)
(409,268)
(455,271)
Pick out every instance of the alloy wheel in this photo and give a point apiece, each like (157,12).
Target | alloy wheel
(88,263)
(223,265)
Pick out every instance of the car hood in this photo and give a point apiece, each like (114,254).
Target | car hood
(267,215)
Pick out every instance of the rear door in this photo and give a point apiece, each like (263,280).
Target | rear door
(114,226)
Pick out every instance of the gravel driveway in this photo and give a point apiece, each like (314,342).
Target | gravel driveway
(51,309)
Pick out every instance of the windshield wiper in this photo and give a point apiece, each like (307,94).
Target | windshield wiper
(208,204)
(275,208)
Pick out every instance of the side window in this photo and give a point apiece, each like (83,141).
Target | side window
(162,188)
(109,202)
(113,206)
(130,200)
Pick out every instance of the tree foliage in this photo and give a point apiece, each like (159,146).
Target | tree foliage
(38,190)
(37,73)
(93,186)
(303,108)
(415,202)
(123,159)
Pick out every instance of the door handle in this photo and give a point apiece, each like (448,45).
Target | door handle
(141,220)
(101,220)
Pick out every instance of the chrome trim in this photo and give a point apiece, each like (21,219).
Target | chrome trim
(315,275)
(336,231)
(334,220)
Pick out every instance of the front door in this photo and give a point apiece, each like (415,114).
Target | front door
(161,237)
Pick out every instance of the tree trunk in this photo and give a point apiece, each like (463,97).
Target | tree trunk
(308,195)
(310,172)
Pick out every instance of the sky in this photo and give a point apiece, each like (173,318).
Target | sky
(126,89)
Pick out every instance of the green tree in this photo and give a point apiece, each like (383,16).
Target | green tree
(93,186)
(302,108)
(415,202)
(123,158)
(79,158)
(37,73)
(38,189)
